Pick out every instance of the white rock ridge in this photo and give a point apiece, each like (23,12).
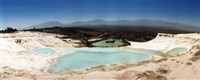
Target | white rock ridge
(165,42)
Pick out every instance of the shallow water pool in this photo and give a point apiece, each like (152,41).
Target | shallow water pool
(90,57)
(109,43)
(176,51)
(43,51)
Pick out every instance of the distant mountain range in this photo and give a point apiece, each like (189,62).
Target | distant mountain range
(47,24)
(134,23)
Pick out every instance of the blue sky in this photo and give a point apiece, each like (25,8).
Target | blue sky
(24,13)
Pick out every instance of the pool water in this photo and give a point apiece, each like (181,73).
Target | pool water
(43,50)
(83,58)
(107,43)
(90,57)
(176,51)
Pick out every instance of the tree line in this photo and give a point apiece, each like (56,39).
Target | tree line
(8,30)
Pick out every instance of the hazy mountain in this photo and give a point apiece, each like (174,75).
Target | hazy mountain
(134,23)
(48,24)
(92,22)
(131,23)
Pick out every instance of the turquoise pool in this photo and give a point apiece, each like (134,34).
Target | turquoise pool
(176,51)
(43,50)
(108,43)
(84,58)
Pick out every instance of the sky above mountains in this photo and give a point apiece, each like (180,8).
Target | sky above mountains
(24,13)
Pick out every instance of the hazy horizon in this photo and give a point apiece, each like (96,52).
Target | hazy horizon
(25,13)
